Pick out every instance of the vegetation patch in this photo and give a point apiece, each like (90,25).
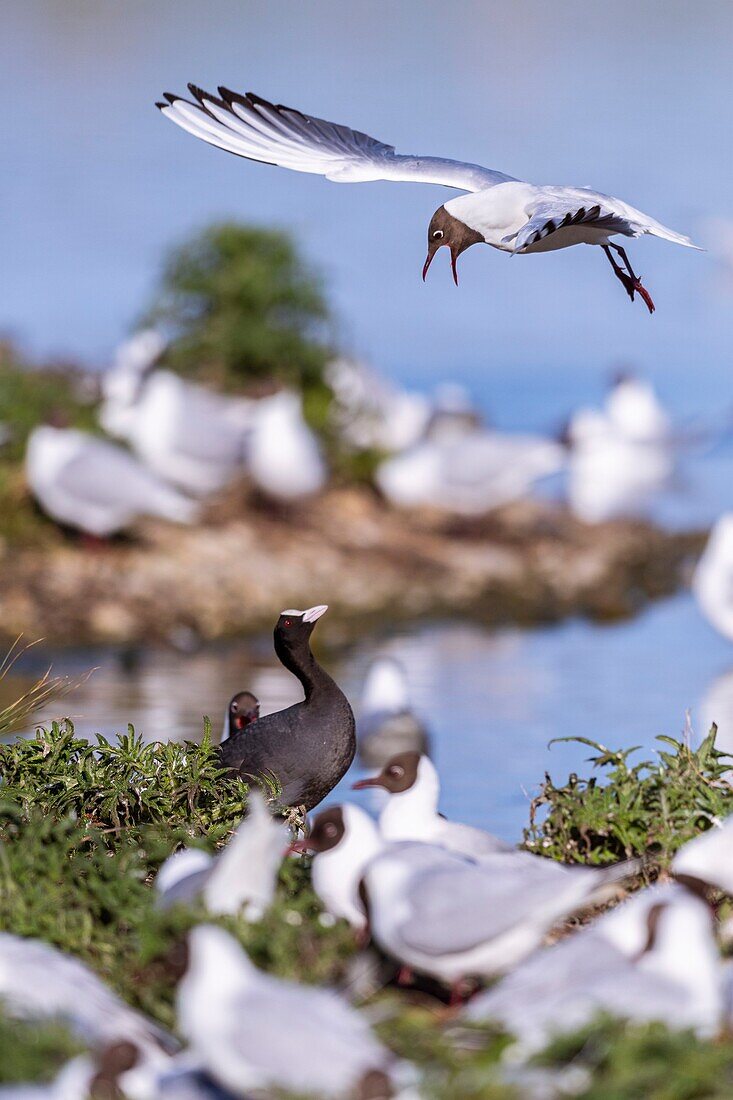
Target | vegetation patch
(649,808)
(84,829)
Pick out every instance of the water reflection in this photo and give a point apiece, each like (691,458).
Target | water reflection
(492,699)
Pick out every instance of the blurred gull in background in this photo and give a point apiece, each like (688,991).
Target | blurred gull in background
(712,580)
(470,474)
(610,474)
(636,413)
(186,434)
(284,459)
(252,1030)
(94,486)
(386,722)
(241,878)
(372,413)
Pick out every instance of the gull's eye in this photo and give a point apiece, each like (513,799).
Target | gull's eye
(437,234)
(234,707)
(396,771)
(330,831)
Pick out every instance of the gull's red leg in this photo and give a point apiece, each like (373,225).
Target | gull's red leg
(631,281)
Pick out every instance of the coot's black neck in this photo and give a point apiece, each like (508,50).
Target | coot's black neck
(303,664)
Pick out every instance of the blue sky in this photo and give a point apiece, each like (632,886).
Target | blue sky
(631,98)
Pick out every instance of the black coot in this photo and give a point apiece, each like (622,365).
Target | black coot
(308,746)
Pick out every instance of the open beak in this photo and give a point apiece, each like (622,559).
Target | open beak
(374,781)
(453,258)
(429,260)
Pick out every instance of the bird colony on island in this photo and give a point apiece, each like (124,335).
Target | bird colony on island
(431,900)
(180,444)
(439,901)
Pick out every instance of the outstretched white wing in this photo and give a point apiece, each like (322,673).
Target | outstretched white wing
(251,127)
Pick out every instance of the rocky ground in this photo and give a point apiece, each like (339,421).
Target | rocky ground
(529,562)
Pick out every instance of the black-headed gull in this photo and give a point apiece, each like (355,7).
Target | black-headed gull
(387,723)
(251,1030)
(440,913)
(610,474)
(191,436)
(241,878)
(502,211)
(92,485)
(706,862)
(38,981)
(411,811)
(712,581)
(283,456)
(470,474)
(673,975)
(635,411)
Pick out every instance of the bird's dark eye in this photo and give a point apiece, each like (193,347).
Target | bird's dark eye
(330,831)
(438,233)
(288,622)
(396,771)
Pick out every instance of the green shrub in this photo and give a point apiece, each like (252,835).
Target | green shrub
(243,309)
(649,808)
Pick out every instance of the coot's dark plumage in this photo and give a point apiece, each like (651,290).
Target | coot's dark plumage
(308,746)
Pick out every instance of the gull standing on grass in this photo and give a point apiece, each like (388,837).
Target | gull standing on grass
(241,878)
(440,913)
(499,210)
(653,959)
(252,1030)
(38,981)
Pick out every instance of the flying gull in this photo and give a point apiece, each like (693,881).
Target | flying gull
(499,210)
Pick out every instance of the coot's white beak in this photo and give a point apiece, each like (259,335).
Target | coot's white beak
(314,613)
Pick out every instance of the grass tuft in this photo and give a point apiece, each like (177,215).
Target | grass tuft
(650,808)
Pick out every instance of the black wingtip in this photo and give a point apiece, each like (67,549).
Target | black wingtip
(170,97)
(162,106)
(231,97)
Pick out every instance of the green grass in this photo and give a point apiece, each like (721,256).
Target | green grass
(647,808)
(33,1052)
(84,829)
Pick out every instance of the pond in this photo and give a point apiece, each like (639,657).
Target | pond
(493,699)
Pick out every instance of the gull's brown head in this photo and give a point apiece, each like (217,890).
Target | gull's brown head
(444,229)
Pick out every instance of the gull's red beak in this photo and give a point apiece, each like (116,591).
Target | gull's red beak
(430,257)
(374,781)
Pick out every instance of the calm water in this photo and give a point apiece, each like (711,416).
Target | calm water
(493,699)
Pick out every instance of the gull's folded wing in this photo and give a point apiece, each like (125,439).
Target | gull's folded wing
(548,217)
(253,128)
